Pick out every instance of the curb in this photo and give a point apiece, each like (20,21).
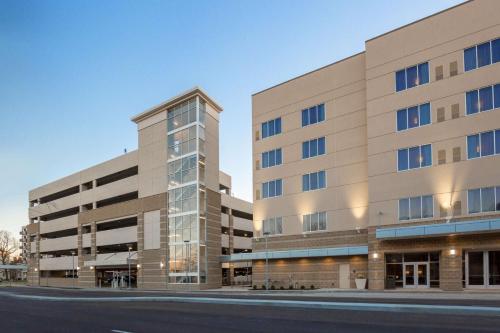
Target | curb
(378,307)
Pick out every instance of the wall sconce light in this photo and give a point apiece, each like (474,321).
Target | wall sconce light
(77,268)
(453,252)
(375,255)
(91,268)
(162,264)
(138,266)
(36,269)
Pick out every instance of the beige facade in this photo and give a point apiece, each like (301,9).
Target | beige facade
(367,188)
(154,212)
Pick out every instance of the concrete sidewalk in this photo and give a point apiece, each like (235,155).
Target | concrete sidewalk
(389,294)
(428,294)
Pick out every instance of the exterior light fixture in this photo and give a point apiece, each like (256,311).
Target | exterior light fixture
(138,266)
(77,268)
(91,268)
(453,252)
(162,264)
(36,269)
(375,255)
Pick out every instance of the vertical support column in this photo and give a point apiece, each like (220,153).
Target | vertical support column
(94,184)
(450,269)
(376,271)
(93,240)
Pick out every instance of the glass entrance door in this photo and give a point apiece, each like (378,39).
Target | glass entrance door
(422,275)
(409,275)
(416,275)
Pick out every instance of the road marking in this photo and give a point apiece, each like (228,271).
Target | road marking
(119,331)
(362,306)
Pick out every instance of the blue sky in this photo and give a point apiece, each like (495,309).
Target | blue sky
(72,73)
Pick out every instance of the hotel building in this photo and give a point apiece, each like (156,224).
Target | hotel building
(385,165)
(154,212)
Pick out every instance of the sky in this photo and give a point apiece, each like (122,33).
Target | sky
(72,73)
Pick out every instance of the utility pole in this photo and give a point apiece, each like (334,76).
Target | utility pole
(188,262)
(129,277)
(72,270)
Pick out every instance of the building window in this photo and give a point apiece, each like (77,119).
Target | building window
(273,188)
(181,115)
(273,226)
(414,157)
(416,208)
(313,115)
(313,148)
(314,222)
(314,181)
(182,142)
(414,116)
(486,199)
(183,199)
(482,55)
(483,144)
(271,158)
(271,127)
(412,76)
(483,99)
(182,171)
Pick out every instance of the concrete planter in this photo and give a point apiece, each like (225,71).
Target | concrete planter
(360,283)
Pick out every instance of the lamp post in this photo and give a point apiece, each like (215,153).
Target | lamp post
(188,263)
(73,268)
(266,233)
(129,277)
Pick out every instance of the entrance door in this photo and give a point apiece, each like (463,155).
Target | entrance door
(416,275)
(344,280)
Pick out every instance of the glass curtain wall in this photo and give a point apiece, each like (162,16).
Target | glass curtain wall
(186,192)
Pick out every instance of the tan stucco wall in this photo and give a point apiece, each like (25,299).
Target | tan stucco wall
(341,87)
(153,159)
(440,40)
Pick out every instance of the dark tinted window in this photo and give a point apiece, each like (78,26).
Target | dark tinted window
(483,54)
(470,59)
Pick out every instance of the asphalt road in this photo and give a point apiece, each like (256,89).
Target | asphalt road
(27,315)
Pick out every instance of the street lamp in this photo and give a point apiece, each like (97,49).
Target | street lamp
(73,268)
(129,249)
(266,234)
(188,263)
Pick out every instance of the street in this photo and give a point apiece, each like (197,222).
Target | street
(67,315)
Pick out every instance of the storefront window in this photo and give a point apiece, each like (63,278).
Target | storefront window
(476,268)
(413,269)
(494,267)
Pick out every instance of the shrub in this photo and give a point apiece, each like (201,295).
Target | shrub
(273,287)
(290,287)
(282,288)
(312,286)
(302,287)
(254,287)
(263,287)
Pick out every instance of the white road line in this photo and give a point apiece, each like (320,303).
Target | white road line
(119,331)
(362,306)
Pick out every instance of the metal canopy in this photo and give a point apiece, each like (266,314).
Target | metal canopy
(440,229)
(302,253)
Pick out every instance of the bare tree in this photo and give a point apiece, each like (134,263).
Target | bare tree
(8,246)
